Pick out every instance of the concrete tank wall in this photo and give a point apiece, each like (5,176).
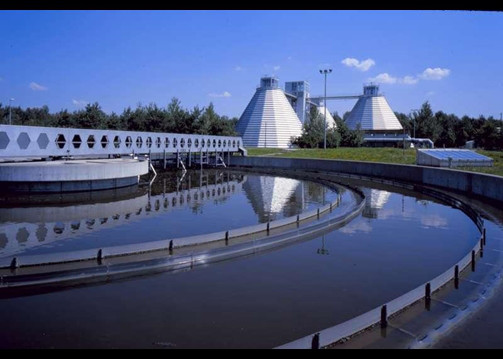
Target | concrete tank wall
(487,186)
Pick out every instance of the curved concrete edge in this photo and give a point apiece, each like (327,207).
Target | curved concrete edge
(161,245)
(471,183)
(372,317)
(180,262)
(72,170)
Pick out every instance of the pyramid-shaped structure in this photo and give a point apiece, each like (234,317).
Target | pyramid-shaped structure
(330,120)
(373,113)
(269,120)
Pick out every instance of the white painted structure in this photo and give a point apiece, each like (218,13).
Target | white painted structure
(372,113)
(269,120)
(34,141)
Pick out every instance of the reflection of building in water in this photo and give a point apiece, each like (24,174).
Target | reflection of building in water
(30,226)
(272,196)
(374,201)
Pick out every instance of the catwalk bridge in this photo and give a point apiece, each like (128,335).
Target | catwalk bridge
(89,159)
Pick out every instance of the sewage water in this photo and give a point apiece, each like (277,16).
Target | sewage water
(400,240)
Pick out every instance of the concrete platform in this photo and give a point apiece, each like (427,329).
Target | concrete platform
(72,175)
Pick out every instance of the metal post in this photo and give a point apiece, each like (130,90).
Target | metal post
(384,316)
(325,116)
(201,158)
(10,110)
(456,277)
(315,342)
(190,158)
(473,261)
(325,72)
(164,159)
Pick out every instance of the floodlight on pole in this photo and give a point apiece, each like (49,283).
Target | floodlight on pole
(325,72)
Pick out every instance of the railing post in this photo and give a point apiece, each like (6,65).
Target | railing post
(315,342)
(456,276)
(473,261)
(384,316)
(427,295)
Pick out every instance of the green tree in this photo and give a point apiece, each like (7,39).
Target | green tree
(427,125)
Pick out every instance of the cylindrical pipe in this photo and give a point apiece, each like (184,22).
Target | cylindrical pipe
(473,261)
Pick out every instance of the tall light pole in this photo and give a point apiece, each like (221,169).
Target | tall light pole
(10,110)
(325,72)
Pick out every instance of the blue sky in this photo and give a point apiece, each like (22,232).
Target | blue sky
(65,59)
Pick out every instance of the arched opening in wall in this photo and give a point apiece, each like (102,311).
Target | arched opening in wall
(139,141)
(117,141)
(60,141)
(182,142)
(149,142)
(158,142)
(91,141)
(104,141)
(76,141)
(129,141)
(166,142)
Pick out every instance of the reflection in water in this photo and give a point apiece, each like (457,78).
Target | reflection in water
(30,226)
(374,201)
(273,198)
(174,206)
(270,195)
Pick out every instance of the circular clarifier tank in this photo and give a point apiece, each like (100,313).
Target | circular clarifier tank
(398,240)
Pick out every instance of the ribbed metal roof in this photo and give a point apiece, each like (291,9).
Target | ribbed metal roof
(269,120)
(373,113)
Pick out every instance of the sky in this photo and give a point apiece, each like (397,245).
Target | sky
(66,59)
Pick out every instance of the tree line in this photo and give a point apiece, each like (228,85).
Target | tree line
(173,118)
(445,130)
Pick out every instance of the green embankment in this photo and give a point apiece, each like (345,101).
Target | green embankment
(387,155)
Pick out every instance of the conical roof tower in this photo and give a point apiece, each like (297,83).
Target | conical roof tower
(373,113)
(269,120)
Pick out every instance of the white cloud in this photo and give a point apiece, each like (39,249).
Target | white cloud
(276,68)
(430,93)
(238,68)
(289,58)
(360,65)
(37,87)
(384,78)
(224,94)
(80,103)
(434,74)
(434,221)
(409,80)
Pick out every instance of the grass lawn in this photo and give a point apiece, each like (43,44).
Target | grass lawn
(387,155)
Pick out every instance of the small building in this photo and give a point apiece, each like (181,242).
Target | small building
(452,158)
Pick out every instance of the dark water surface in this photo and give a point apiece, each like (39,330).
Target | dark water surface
(175,207)
(399,241)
